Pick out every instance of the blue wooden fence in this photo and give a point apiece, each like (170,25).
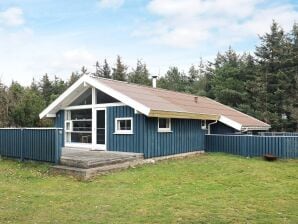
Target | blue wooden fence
(253,145)
(41,144)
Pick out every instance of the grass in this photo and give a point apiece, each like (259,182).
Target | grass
(214,188)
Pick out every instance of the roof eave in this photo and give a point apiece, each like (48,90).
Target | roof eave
(182,115)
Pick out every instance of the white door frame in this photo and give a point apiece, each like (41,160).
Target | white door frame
(96,146)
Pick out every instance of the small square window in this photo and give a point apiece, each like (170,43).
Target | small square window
(164,125)
(123,125)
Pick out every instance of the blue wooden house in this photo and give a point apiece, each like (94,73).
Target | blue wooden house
(104,114)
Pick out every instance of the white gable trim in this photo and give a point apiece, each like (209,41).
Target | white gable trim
(57,104)
(118,95)
(230,123)
(46,112)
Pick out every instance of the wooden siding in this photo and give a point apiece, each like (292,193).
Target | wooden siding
(42,144)
(220,128)
(253,145)
(186,135)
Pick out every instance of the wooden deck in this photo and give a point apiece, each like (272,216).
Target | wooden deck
(88,159)
(87,164)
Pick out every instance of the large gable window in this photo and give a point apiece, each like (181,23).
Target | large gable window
(101,97)
(164,125)
(124,125)
(84,99)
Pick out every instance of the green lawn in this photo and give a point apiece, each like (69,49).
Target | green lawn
(214,188)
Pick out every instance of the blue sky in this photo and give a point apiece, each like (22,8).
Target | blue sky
(58,37)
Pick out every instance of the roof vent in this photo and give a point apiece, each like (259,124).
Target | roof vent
(196,99)
(154,77)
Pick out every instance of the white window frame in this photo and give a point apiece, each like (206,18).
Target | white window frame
(123,132)
(169,129)
(203,124)
(70,125)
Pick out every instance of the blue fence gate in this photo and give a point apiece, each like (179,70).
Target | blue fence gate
(254,145)
(41,144)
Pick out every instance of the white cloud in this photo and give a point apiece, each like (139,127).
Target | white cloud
(12,17)
(191,23)
(110,3)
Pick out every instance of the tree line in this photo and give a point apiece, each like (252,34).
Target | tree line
(263,84)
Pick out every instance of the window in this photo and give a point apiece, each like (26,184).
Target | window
(164,125)
(204,125)
(78,126)
(84,99)
(101,97)
(123,125)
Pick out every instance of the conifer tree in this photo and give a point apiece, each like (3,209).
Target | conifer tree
(119,72)
(140,74)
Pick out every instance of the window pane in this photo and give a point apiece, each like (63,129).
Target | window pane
(82,125)
(81,114)
(101,97)
(100,134)
(84,99)
(81,137)
(163,123)
(124,125)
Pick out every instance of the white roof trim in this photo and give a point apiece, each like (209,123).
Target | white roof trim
(52,108)
(56,102)
(230,123)
(117,95)
(257,128)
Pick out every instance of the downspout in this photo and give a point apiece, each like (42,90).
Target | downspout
(209,130)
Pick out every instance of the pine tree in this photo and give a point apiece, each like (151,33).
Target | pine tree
(97,69)
(103,71)
(174,80)
(140,74)
(273,77)
(227,83)
(4,105)
(84,71)
(46,88)
(73,78)
(119,72)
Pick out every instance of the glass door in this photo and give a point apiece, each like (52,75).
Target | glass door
(101,129)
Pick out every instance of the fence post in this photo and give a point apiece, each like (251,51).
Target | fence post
(57,146)
(22,145)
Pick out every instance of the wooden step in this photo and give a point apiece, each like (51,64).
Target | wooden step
(91,163)
(85,174)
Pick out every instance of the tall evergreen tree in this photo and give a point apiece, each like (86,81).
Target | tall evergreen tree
(174,80)
(140,74)
(73,78)
(103,71)
(4,105)
(119,72)
(84,71)
(227,80)
(275,82)
(46,88)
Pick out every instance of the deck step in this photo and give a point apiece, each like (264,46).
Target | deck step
(91,163)
(85,174)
